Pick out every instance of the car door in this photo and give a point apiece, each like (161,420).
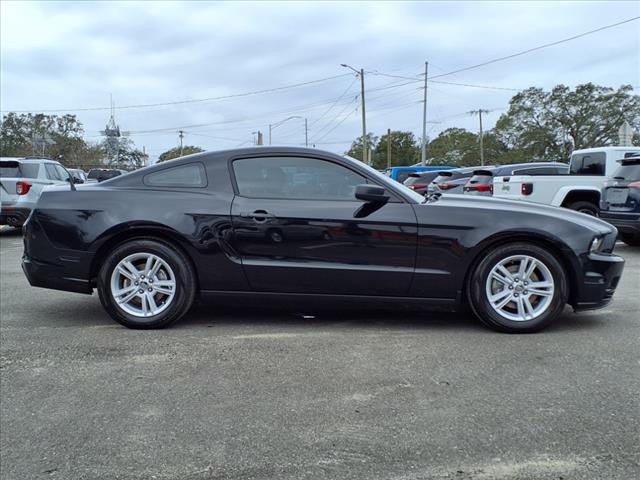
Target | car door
(297,227)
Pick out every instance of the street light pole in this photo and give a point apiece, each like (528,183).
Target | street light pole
(365,147)
(277,124)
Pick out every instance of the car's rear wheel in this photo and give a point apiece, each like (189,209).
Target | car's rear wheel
(630,239)
(146,284)
(584,207)
(518,288)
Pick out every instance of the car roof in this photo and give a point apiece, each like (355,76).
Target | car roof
(605,149)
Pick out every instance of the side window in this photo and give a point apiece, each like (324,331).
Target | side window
(52,173)
(295,178)
(588,163)
(62,173)
(190,175)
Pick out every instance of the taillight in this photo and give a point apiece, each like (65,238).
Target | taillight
(527,188)
(483,188)
(446,186)
(22,188)
(634,185)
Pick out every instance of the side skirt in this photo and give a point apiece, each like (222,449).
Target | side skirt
(330,301)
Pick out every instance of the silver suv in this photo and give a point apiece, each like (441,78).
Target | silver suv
(21,182)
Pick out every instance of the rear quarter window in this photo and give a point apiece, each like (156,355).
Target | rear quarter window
(588,163)
(192,175)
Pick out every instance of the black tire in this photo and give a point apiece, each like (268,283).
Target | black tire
(477,296)
(185,288)
(584,207)
(630,239)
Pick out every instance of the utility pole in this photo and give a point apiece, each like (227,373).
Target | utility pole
(306,133)
(423,153)
(260,140)
(181,135)
(365,147)
(388,148)
(479,112)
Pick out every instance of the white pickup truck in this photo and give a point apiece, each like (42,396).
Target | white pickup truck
(579,190)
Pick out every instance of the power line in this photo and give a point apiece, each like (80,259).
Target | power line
(355,79)
(540,47)
(337,124)
(181,102)
(328,124)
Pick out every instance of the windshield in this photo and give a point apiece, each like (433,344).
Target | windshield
(93,173)
(391,184)
(628,172)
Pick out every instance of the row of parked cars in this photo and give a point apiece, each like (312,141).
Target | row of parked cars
(23,179)
(602,182)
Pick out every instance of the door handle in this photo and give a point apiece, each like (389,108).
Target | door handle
(258,215)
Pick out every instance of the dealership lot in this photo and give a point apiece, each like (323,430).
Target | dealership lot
(247,393)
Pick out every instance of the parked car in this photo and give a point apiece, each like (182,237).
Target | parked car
(620,204)
(400,174)
(198,225)
(78,175)
(102,174)
(580,190)
(418,182)
(450,181)
(22,181)
(481,183)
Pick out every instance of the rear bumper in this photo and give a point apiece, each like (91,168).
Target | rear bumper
(14,216)
(602,273)
(624,222)
(46,266)
(43,275)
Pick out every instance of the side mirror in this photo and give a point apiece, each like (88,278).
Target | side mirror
(77,180)
(371,194)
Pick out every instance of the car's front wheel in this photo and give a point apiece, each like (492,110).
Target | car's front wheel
(146,284)
(518,287)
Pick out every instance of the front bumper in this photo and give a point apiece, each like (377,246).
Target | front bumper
(14,216)
(602,272)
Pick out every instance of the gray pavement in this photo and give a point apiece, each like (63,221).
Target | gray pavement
(238,393)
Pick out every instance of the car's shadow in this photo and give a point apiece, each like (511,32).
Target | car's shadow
(81,311)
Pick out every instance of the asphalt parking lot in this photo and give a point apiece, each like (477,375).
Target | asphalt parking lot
(239,393)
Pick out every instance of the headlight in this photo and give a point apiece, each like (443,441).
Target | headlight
(596,244)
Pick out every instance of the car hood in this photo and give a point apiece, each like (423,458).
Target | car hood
(526,208)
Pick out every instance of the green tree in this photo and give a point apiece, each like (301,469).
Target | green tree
(355,150)
(21,135)
(549,125)
(455,146)
(123,154)
(404,150)
(175,152)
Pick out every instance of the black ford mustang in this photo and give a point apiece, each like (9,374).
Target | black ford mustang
(302,225)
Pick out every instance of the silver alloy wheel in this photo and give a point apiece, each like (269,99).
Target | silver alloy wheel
(143,285)
(520,288)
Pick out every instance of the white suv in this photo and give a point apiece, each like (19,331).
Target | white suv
(21,183)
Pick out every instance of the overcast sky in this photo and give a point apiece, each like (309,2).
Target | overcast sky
(73,55)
